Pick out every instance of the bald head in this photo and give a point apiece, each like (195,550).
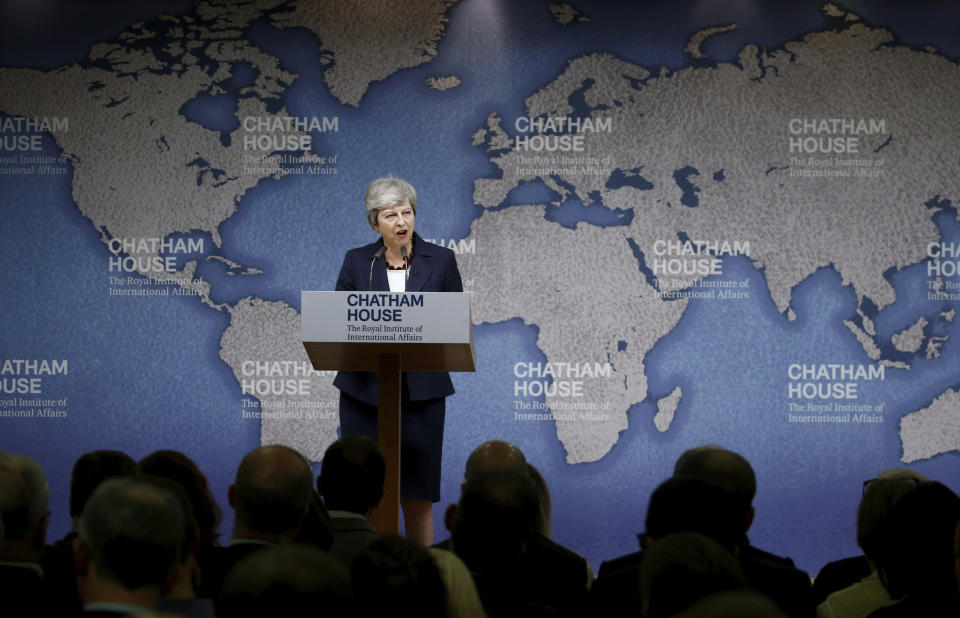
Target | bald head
(272,489)
(495,456)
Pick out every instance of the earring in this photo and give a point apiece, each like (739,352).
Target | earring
(377,230)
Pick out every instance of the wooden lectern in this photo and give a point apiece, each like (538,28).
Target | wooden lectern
(389,333)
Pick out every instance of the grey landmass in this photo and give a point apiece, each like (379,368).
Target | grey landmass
(833,10)
(140,169)
(235,268)
(269,331)
(664,121)
(550,292)
(666,408)
(910,339)
(865,339)
(365,41)
(693,45)
(565,14)
(441,84)
(493,135)
(948,315)
(933,430)
(934,344)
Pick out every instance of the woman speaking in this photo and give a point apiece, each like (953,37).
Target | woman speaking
(401,261)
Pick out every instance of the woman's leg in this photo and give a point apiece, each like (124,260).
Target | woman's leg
(418,520)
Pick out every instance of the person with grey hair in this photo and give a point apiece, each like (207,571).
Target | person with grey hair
(24,515)
(400,261)
(129,543)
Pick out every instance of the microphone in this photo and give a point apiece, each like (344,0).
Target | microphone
(406,262)
(376,256)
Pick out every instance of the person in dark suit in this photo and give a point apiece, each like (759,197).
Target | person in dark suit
(270,499)
(679,504)
(351,483)
(775,576)
(401,261)
(551,577)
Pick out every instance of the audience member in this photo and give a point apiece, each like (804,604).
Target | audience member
(547,564)
(491,525)
(57,560)
(24,513)
(773,575)
(129,543)
(270,498)
(873,535)
(840,574)
(287,580)
(682,568)
(394,575)
(921,565)
(679,504)
(351,482)
(179,468)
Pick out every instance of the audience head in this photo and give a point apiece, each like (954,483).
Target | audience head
(271,493)
(873,514)
(24,507)
(394,575)
(921,561)
(726,469)
(542,524)
(130,534)
(682,568)
(182,470)
(496,512)
(287,580)
(352,474)
(733,604)
(495,456)
(687,504)
(93,468)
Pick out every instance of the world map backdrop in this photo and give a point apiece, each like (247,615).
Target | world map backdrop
(682,223)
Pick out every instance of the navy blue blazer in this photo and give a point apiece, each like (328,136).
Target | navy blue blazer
(434,269)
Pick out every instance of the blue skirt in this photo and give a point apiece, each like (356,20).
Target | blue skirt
(421,440)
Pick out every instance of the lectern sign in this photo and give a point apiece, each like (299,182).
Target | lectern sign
(381,317)
(437,322)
